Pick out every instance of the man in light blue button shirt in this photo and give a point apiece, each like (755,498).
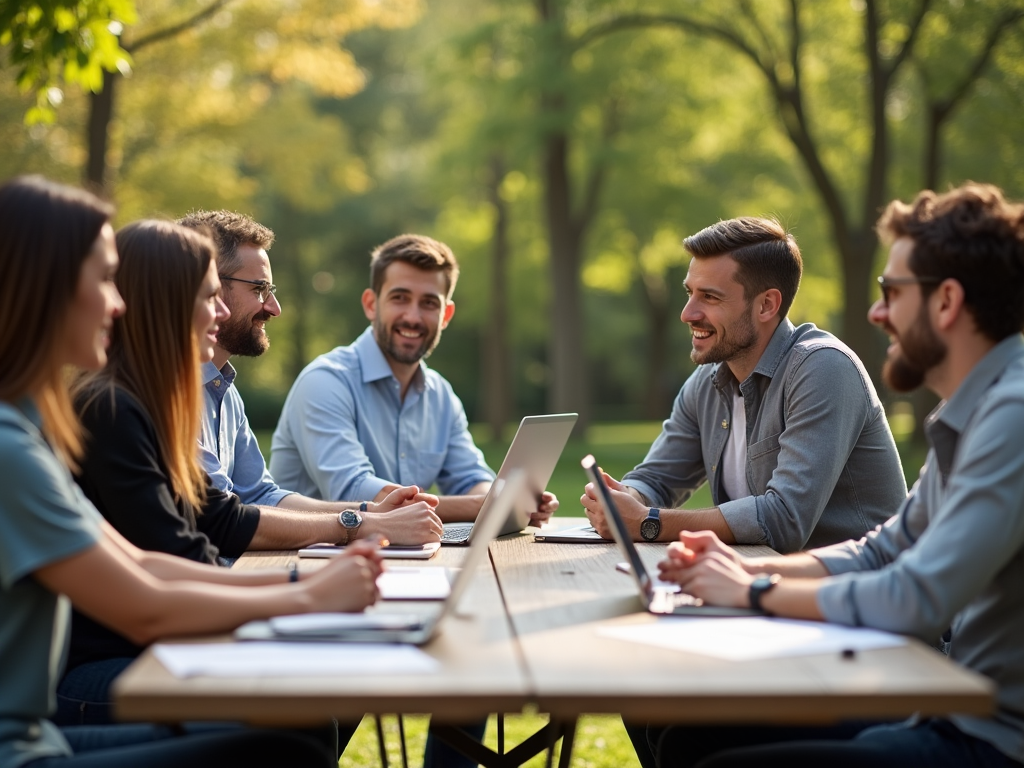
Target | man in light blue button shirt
(228,449)
(953,555)
(365,419)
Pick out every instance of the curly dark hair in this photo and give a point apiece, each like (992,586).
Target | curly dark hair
(767,255)
(973,235)
(229,230)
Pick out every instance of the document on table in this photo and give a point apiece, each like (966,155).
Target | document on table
(399,551)
(412,583)
(746,639)
(271,659)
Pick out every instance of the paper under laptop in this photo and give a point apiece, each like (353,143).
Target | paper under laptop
(660,600)
(397,626)
(396,551)
(535,449)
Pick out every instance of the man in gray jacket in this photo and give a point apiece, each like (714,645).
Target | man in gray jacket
(781,421)
(953,556)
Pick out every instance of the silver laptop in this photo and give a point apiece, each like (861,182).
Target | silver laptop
(389,626)
(536,448)
(657,598)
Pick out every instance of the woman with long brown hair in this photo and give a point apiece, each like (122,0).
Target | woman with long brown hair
(58,302)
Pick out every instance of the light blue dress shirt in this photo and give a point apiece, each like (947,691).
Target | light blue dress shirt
(228,450)
(345,433)
(953,556)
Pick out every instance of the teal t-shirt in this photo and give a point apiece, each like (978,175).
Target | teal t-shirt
(44,518)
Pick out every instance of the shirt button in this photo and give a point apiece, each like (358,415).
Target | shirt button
(403,455)
(725,424)
(714,467)
(216,382)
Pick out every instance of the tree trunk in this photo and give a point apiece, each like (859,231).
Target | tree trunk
(658,393)
(101,112)
(496,375)
(567,387)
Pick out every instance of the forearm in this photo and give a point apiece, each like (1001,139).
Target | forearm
(170,568)
(455,509)
(793,598)
(298,502)
(800,565)
(289,529)
(674,521)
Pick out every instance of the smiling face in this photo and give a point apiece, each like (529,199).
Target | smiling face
(97,302)
(915,348)
(245,333)
(720,317)
(409,313)
(209,311)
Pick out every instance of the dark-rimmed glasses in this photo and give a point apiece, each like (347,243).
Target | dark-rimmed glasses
(888,283)
(264,289)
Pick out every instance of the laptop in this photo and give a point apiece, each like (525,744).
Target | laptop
(662,600)
(536,448)
(390,626)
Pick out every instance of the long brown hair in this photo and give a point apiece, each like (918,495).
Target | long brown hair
(48,231)
(153,351)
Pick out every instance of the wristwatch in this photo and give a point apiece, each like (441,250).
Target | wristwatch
(758,587)
(650,526)
(350,521)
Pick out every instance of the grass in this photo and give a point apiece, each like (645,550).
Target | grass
(600,741)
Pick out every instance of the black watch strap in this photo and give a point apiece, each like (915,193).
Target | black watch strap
(759,586)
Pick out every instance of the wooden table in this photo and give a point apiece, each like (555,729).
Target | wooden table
(532,638)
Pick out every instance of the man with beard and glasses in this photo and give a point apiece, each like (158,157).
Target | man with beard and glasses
(953,555)
(363,419)
(228,449)
(782,422)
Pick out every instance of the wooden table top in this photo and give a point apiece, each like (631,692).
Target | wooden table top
(528,633)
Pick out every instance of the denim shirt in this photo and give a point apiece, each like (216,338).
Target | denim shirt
(821,467)
(954,554)
(228,450)
(345,432)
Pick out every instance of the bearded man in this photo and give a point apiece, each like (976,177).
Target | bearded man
(782,422)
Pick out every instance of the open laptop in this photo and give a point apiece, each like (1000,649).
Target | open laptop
(658,599)
(389,626)
(535,449)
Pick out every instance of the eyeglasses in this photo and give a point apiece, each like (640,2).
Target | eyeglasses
(888,283)
(263,288)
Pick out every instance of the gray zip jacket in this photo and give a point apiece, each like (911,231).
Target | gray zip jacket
(954,555)
(822,466)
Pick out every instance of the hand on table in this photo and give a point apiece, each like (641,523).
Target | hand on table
(546,507)
(405,516)
(706,568)
(631,509)
(348,582)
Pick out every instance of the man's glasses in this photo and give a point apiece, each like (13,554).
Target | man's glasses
(263,288)
(888,283)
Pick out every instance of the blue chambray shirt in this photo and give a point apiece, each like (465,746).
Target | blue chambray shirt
(345,433)
(228,450)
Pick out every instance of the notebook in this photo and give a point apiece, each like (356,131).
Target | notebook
(391,626)
(657,598)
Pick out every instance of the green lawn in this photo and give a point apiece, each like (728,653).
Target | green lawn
(601,742)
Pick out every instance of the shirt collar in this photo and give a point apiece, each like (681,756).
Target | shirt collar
(957,410)
(375,366)
(770,360)
(211,372)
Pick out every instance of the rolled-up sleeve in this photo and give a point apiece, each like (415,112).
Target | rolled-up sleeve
(976,527)
(827,406)
(674,466)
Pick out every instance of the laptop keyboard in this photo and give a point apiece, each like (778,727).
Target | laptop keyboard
(456,533)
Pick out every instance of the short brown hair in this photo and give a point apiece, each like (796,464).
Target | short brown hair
(229,230)
(418,250)
(767,255)
(48,232)
(975,236)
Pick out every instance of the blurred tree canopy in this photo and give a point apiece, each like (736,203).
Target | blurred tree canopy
(563,148)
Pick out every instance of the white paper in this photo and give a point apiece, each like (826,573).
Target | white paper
(424,552)
(745,639)
(269,659)
(412,583)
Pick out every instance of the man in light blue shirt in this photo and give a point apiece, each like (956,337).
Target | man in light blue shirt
(365,419)
(228,449)
(953,555)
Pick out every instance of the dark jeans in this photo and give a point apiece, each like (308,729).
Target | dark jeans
(931,743)
(153,746)
(83,699)
(437,754)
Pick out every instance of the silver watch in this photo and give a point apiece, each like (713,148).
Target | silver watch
(350,521)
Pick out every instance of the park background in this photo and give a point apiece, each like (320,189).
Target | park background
(563,148)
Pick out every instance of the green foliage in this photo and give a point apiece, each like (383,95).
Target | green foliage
(50,42)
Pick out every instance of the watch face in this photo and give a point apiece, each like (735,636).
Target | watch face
(351,519)
(650,528)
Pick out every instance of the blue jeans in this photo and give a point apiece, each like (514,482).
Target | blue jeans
(931,743)
(153,746)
